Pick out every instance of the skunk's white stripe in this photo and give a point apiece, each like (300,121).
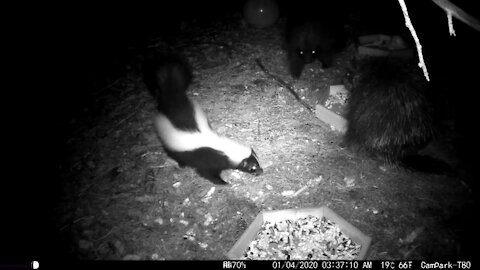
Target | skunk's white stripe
(201,118)
(178,140)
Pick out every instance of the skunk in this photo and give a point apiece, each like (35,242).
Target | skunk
(183,127)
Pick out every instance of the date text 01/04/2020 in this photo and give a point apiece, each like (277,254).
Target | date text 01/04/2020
(308,264)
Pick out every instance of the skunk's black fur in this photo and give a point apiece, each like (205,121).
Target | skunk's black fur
(167,77)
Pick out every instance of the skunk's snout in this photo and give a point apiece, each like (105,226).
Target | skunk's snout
(251,165)
(256,170)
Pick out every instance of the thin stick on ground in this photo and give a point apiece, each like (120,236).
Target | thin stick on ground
(286,85)
(103,237)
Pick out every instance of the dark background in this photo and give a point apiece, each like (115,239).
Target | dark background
(84,46)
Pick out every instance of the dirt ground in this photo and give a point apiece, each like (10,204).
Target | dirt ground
(123,198)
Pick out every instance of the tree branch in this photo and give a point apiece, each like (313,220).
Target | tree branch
(458,13)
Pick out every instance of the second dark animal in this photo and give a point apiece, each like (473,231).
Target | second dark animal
(313,32)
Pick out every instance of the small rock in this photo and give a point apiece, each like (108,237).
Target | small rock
(207,197)
(413,235)
(146,198)
(159,221)
(210,192)
(190,235)
(349,181)
(208,219)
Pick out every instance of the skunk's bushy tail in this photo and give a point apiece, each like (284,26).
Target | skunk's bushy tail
(167,77)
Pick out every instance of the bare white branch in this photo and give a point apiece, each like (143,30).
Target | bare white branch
(458,13)
(409,25)
(450,23)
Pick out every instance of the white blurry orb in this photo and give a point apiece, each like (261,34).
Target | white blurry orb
(261,13)
(35,265)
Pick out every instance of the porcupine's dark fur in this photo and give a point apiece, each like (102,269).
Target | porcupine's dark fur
(390,116)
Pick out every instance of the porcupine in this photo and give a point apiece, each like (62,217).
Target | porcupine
(390,115)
